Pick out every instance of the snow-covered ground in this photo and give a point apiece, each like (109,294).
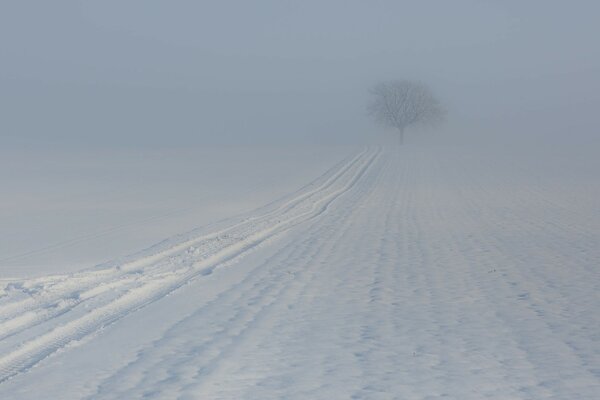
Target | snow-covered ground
(64,210)
(414,274)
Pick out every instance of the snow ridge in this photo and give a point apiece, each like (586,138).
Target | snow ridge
(42,315)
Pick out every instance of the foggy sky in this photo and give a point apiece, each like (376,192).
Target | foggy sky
(180,73)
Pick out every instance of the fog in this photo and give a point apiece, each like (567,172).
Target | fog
(322,199)
(189,73)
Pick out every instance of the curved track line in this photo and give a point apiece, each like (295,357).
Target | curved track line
(153,277)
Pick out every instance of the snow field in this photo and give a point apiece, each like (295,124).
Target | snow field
(413,274)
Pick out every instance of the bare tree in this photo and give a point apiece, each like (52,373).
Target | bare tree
(400,104)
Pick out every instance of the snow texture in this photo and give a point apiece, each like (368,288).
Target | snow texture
(397,274)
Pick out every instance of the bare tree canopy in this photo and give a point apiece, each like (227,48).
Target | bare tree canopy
(400,104)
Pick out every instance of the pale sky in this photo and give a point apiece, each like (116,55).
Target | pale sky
(181,73)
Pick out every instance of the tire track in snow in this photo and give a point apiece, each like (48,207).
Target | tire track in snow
(179,363)
(47,293)
(157,277)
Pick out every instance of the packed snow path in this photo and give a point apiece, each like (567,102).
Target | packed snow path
(394,275)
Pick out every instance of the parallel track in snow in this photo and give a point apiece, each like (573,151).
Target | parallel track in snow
(42,315)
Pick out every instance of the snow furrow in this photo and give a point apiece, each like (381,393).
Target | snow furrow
(151,278)
(235,316)
(45,290)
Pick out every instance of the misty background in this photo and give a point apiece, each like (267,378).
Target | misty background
(188,73)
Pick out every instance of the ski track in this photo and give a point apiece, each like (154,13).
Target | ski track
(397,275)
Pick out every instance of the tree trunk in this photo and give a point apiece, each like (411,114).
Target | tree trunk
(400,136)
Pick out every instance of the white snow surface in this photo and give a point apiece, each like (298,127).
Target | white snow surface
(64,210)
(419,273)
